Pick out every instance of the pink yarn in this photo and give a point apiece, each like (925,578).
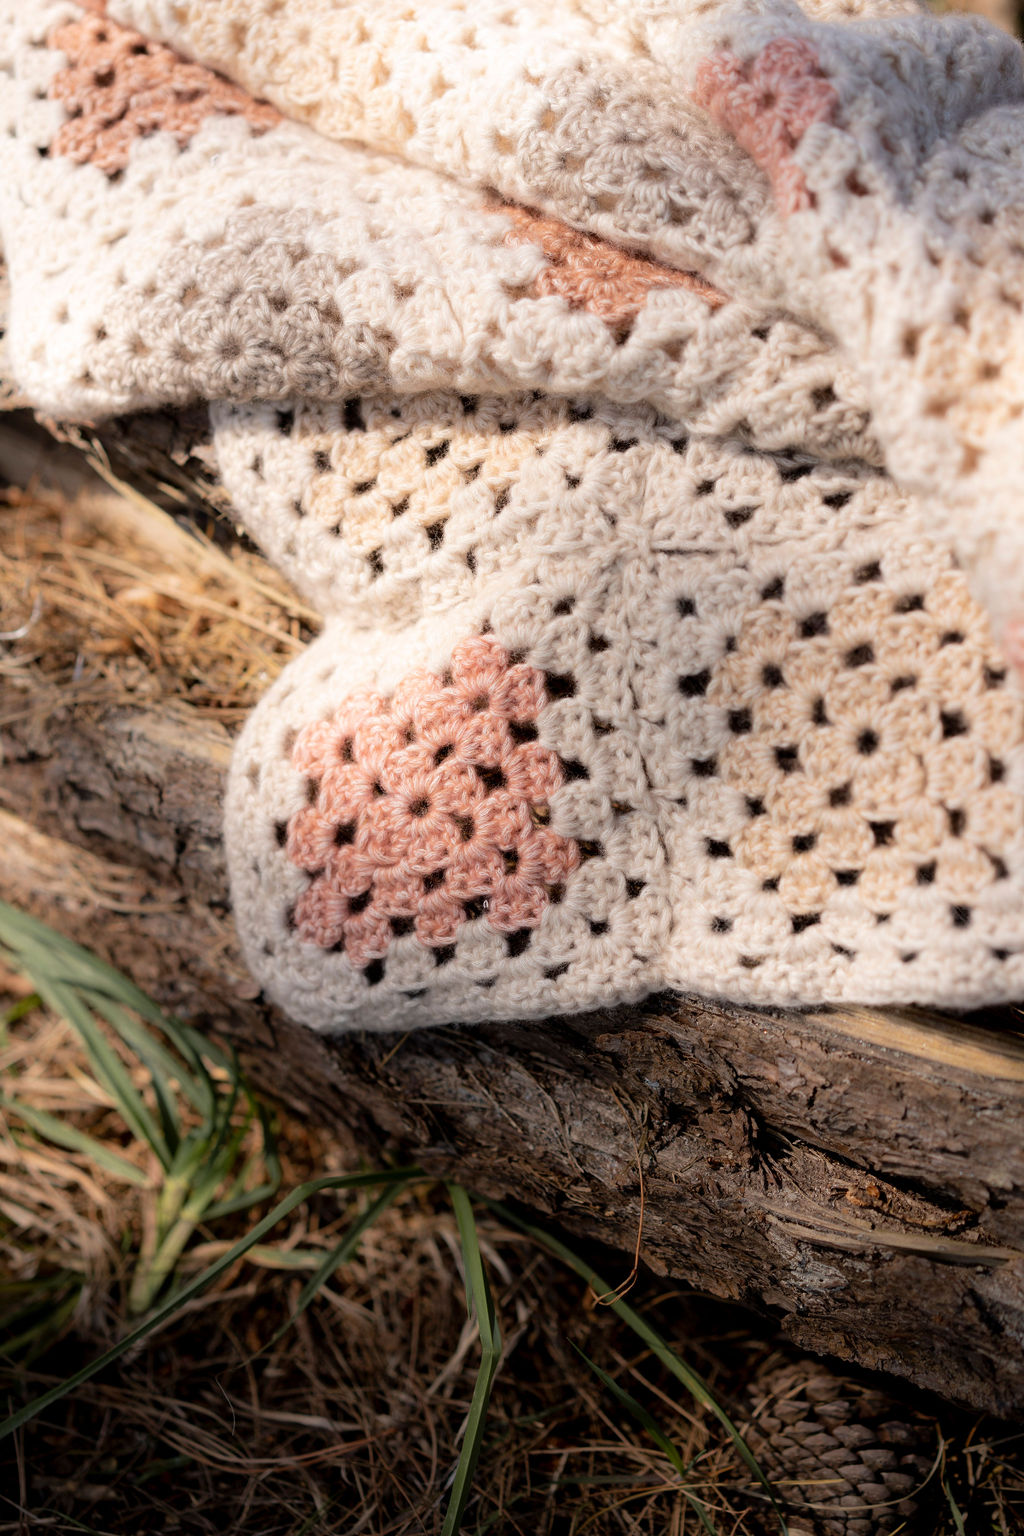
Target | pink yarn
(426,803)
(768,106)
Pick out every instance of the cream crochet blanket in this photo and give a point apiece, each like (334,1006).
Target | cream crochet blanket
(636,388)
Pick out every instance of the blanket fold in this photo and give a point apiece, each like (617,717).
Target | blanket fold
(636,389)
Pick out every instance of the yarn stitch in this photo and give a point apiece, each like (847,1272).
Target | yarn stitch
(635,388)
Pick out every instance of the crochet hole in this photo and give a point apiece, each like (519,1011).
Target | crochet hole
(804,842)
(740,721)
(716,849)
(961,916)
(860,655)
(957,822)
(787,759)
(344,833)
(694,686)
(774,590)
(560,685)
(847,876)
(739,515)
(865,573)
(953,723)
(926,873)
(867,742)
(518,942)
(882,832)
(841,795)
(803,920)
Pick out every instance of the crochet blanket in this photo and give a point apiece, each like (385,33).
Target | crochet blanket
(635,387)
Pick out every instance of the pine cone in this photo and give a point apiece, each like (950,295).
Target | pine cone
(846,1457)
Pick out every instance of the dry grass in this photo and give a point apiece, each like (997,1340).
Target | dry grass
(89,620)
(351,1422)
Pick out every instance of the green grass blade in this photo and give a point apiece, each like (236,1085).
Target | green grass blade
(666,1446)
(19,1010)
(19,931)
(165,1070)
(240,1198)
(337,1256)
(659,1347)
(168,1308)
(109,1070)
(52,1128)
(954,1508)
(480,1302)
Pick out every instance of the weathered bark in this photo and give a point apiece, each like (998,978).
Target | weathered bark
(858,1174)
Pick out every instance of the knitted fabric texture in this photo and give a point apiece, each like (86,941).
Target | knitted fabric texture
(635,388)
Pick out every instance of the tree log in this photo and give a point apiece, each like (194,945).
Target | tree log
(856,1174)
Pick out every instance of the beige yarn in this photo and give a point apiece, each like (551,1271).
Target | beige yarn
(647,659)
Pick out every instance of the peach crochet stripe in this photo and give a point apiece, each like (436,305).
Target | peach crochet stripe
(768,105)
(118,88)
(594,275)
(429,808)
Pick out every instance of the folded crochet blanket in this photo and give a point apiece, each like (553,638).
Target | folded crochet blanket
(635,387)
